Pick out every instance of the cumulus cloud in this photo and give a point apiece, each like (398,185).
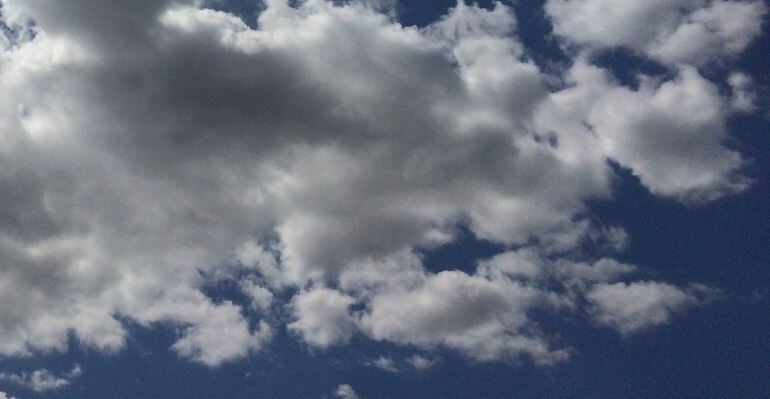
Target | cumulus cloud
(345,391)
(318,156)
(744,96)
(42,380)
(631,307)
(322,317)
(478,316)
(220,335)
(669,134)
(691,32)
(4,395)
(261,297)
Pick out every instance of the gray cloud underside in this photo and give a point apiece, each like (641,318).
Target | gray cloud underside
(147,144)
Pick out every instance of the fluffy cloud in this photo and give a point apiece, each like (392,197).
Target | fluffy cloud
(318,155)
(669,134)
(475,315)
(345,391)
(261,297)
(672,31)
(4,395)
(323,317)
(221,333)
(744,96)
(632,307)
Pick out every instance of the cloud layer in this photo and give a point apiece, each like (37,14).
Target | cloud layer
(149,147)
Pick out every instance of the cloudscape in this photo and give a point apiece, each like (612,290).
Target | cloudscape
(365,199)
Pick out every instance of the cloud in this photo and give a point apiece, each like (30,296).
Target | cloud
(317,157)
(421,362)
(384,363)
(322,317)
(42,380)
(629,308)
(4,395)
(669,134)
(744,96)
(691,32)
(417,362)
(345,391)
(221,335)
(261,297)
(481,317)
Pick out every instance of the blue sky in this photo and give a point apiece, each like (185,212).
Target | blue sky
(384,199)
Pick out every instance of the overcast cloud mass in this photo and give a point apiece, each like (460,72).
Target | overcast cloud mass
(149,148)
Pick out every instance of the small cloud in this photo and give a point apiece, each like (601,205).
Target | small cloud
(421,363)
(384,363)
(744,98)
(261,298)
(42,380)
(4,395)
(322,317)
(343,391)
(630,308)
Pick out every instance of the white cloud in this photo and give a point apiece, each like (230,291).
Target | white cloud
(744,96)
(724,28)
(669,134)
(421,362)
(261,297)
(42,380)
(222,338)
(4,395)
(629,308)
(345,391)
(530,266)
(672,31)
(322,317)
(210,333)
(321,152)
(615,22)
(481,317)
(384,363)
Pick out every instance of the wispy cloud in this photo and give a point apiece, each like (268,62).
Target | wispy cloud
(42,380)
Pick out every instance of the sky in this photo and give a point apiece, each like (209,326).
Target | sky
(384,199)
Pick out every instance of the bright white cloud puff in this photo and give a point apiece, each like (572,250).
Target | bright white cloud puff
(320,152)
(691,32)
